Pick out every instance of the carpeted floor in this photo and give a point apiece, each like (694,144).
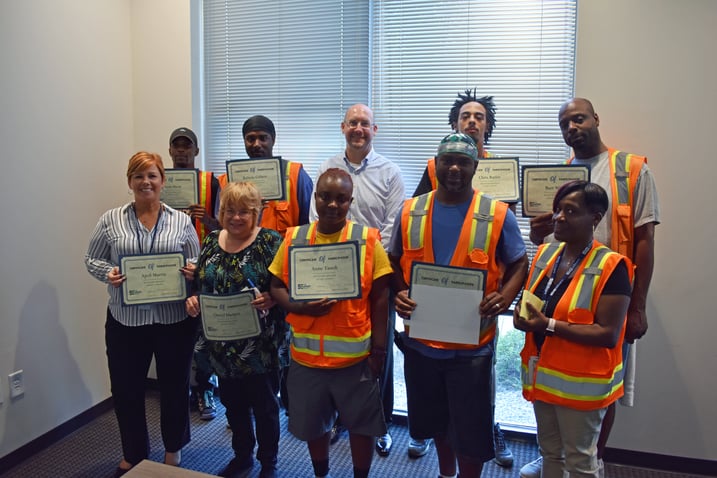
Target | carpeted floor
(94,451)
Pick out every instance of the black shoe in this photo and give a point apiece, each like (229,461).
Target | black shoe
(236,467)
(268,471)
(503,455)
(336,432)
(383,444)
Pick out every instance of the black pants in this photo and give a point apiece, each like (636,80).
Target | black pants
(129,354)
(257,393)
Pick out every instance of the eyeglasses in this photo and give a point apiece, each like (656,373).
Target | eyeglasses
(356,124)
(240,212)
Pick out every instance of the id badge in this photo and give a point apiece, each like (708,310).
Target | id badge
(532,368)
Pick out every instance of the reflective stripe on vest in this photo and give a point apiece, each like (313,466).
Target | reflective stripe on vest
(481,226)
(578,388)
(205,199)
(621,165)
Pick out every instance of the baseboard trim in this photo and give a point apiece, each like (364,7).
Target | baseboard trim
(56,434)
(637,459)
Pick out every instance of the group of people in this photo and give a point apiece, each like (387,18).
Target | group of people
(330,360)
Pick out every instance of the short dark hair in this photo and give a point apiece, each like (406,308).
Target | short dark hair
(469,97)
(594,195)
(337,173)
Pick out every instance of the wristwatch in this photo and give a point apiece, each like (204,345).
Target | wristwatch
(550,328)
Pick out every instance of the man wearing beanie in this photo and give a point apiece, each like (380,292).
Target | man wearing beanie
(259,137)
(183,148)
(448,385)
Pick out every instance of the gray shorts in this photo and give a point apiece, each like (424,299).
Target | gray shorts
(317,395)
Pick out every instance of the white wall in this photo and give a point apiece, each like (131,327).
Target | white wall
(650,68)
(84,84)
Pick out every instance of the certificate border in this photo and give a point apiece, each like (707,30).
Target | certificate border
(226,298)
(516,160)
(282,174)
(353,245)
(525,168)
(417,265)
(184,172)
(125,259)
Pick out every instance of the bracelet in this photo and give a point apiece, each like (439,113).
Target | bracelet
(550,328)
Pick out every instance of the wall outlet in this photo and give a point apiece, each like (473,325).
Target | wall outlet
(17,384)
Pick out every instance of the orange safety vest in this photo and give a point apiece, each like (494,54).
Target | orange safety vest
(476,248)
(343,336)
(206,200)
(280,215)
(624,171)
(431,168)
(578,376)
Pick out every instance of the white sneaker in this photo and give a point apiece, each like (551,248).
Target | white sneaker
(532,469)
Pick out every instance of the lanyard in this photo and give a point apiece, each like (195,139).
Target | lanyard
(549,292)
(137,232)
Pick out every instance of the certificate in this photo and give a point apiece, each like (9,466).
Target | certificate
(447,303)
(229,317)
(324,270)
(181,189)
(540,183)
(153,278)
(267,174)
(498,178)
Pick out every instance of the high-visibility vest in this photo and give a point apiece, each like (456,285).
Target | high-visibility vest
(578,376)
(431,168)
(476,248)
(624,172)
(280,215)
(206,200)
(343,336)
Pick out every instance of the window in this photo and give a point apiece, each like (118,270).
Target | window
(303,63)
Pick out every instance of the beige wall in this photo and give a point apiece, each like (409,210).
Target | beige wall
(85,83)
(650,67)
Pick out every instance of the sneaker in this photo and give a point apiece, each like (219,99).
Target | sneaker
(503,455)
(417,448)
(207,408)
(532,469)
(237,467)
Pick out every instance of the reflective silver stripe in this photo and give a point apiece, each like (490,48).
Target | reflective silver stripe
(307,344)
(542,263)
(622,178)
(302,236)
(357,235)
(580,388)
(311,344)
(346,348)
(591,275)
(483,219)
(418,214)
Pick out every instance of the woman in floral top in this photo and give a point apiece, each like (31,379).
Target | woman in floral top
(234,259)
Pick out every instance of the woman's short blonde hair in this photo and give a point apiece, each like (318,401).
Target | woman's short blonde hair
(237,196)
(144,160)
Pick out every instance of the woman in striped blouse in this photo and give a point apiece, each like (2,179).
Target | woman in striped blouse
(134,334)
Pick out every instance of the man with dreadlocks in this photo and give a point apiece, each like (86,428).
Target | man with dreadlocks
(469,115)
(475,117)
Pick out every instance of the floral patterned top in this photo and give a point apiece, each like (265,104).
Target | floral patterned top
(220,272)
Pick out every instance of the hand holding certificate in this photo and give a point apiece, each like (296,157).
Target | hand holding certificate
(229,317)
(447,303)
(153,278)
(324,271)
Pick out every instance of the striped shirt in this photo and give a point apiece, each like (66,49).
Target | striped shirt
(120,233)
